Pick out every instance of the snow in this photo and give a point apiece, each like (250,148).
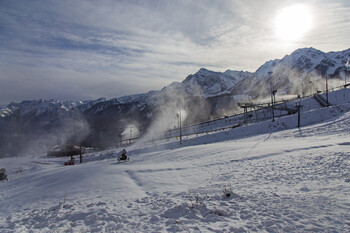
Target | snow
(209,83)
(131,98)
(5,111)
(267,67)
(301,65)
(288,75)
(261,177)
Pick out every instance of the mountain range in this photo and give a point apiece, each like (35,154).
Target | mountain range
(40,124)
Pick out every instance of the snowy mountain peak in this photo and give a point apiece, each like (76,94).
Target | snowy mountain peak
(211,83)
(204,72)
(174,85)
(235,73)
(302,62)
(40,106)
(304,59)
(264,70)
(307,52)
(130,98)
(207,83)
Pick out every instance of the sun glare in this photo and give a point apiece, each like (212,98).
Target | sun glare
(291,23)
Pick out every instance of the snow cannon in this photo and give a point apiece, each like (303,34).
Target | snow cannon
(3,174)
(70,162)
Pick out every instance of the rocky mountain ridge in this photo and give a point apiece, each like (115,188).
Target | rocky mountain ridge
(204,95)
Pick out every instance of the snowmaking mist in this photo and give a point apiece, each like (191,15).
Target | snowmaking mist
(289,82)
(175,107)
(170,111)
(131,131)
(37,140)
(72,131)
(167,118)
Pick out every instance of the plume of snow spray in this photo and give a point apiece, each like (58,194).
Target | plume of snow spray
(171,104)
(71,130)
(131,131)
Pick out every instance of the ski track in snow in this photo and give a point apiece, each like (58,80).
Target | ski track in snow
(303,190)
(297,180)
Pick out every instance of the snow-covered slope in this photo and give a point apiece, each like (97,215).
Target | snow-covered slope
(295,180)
(205,95)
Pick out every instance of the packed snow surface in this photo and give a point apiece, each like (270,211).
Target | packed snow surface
(255,178)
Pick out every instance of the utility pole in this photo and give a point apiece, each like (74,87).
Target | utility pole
(298,116)
(178,116)
(16,148)
(273,100)
(327,88)
(80,154)
(347,67)
(272,96)
(299,107)
(245,107)
(302,90)
(310,82)
(180,128)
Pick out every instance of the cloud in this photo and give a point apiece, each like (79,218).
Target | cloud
(88,49)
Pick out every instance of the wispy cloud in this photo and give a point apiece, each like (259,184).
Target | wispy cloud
(87,49)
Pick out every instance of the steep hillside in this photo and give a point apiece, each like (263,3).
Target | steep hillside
(251,179)
(294,73)
(202,96)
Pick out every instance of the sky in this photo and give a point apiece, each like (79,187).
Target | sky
(81,50)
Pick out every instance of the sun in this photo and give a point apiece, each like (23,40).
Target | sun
(291,23)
